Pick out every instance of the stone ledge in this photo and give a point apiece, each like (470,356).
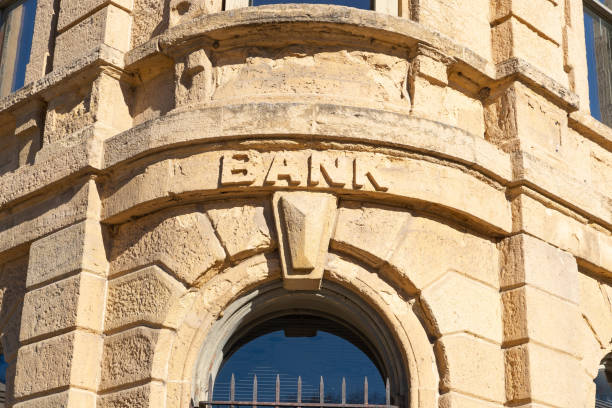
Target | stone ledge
(591,128)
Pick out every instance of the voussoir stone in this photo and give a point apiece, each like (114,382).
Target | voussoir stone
(141,296)
(183,241)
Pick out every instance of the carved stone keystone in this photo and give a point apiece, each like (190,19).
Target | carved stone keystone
(304,223)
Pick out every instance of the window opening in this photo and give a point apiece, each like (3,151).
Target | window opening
(603,384)
(300,360)
(598,39)
(16,31)
(361,4)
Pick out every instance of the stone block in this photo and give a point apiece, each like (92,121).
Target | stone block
(560,230)
(129,356)
(458,304)
(78,247)
(243,228)
(541,374)
(434,102)
(109,25)
(142,296)
(513,39)
(145,396)
(182,240)
(369,231)
(455,400)
(531,314)
(529,260)
(73,302)
(69,359)
(430,248)
(71,11)
(544,16)
(463,359)
(12,287)
(73,398)
(596,308)
(466,21)
(431,69)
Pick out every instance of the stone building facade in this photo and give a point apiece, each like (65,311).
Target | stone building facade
(427,171)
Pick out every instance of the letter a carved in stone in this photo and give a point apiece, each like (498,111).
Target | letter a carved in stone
(304,223)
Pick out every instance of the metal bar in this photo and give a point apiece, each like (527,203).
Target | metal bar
(365,391)
(343,391)
(294,404)
(299,396)
(232,389)
(255,391)
(321,391)
(210,388)
(277,389)
(388,393)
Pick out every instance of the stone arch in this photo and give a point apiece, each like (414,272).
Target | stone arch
(228,292)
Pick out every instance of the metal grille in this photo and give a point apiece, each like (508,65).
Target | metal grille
(254,403)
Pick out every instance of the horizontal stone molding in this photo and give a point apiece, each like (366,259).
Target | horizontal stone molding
(359,174)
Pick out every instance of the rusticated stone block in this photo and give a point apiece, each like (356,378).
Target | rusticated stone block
(72,302)
(184,241)
(431,248)
(531,314)
(141,296)
(456,303)
(539,373)
(74,10)
(463,359)
(146,396)
(369,231)
(528,260)
(78,247)
(545,16)
(244,228)
(110,25)
(69,359)
(73,398)
(129,356)
(12,287)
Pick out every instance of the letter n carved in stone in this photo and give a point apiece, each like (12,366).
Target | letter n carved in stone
(304,223)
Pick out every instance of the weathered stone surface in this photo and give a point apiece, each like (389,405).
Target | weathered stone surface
(78,247)
(142,296)
(12,287)
(243,228)
(529,374)
(431,248)
(596,308)
(72,11)
(456,400)
(183,241)
(69,303)
(458,304)
(68,359)
(531,314)
(463,358)
(73,398)
(369,231)
(128,357)
(528,260)
(107,26)
(146,396)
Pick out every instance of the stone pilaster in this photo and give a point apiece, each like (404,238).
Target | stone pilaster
(539,286)
(59,360)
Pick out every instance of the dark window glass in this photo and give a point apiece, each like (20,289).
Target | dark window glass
(3,366)
(362,4)
(603,391)
(307,346)
(16,31)
(598,32)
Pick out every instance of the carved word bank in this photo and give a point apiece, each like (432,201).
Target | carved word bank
(315,169)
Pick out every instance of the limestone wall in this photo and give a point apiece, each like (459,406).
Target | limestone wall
(443,161)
